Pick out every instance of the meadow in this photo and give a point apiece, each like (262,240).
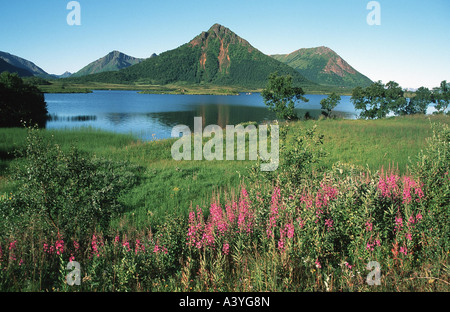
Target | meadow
(347,192)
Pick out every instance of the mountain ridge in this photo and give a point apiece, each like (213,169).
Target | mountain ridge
(113,61)
(24,64)
(217,56)
(324,66)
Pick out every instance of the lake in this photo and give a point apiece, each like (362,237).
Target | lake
(152,116)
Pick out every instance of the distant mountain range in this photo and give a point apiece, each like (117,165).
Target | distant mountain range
(217,56)
(5,66)
(113,61)
(324,66)
(21,63)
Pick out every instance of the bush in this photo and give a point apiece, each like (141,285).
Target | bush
(70,193)
(20,102)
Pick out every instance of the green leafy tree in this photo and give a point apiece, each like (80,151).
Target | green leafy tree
(20,102)
(441,96)
(281,96)
(330,103)
(419,103)
(378,100)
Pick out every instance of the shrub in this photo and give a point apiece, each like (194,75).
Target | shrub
(20,102)
(70,193)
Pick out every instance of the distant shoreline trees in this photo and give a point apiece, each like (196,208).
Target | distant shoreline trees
(20,102)
(378,100)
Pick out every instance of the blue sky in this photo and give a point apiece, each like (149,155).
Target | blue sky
(411,46)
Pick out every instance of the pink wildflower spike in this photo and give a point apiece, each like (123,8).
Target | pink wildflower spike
(329,224)
(226,249)
(289,230)
(418,217)
(59,246)
(369,226)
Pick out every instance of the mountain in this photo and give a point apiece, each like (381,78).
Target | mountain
(217,56)
(324,66)
(5,66)
(113,61)
(65,75)
(24,64)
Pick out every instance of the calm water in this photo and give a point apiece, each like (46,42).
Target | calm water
(154,115)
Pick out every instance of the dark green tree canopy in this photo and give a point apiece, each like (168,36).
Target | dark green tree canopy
(378,100)
(281,96)
(20,102)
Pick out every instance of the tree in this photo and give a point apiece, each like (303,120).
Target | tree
(280,96)
(20,102)
(330,103)
(441,96)
(394,98)
(378,100)
(419,103)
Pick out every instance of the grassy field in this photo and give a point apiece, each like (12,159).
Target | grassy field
(208,226)
(170,186)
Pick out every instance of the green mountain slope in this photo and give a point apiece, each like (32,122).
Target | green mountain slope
(217,56)
(113,61)
(324,66)
(5,66)
(24,64)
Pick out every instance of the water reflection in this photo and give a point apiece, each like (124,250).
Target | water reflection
(149,115)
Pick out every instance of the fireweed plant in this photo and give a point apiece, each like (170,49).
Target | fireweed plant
(305,229)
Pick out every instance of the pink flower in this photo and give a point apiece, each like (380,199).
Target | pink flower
(94,246)
(369,226)
(289,230)
(408,236)
(418,217)
(404,250)
(281,244)
(398,224)
(139,247)
(318,265)
(329,224)
(126,244)
(159,249)
(11,248)
(59,246)
(226,248)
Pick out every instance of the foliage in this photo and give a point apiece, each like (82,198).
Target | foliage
(70,193)
(20,102)
(419,103)
(432,166)
(329,103)
(441,96)
(377,100)
(315,234)
(281,96)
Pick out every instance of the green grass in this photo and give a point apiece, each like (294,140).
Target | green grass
(171,186)
(376,143)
